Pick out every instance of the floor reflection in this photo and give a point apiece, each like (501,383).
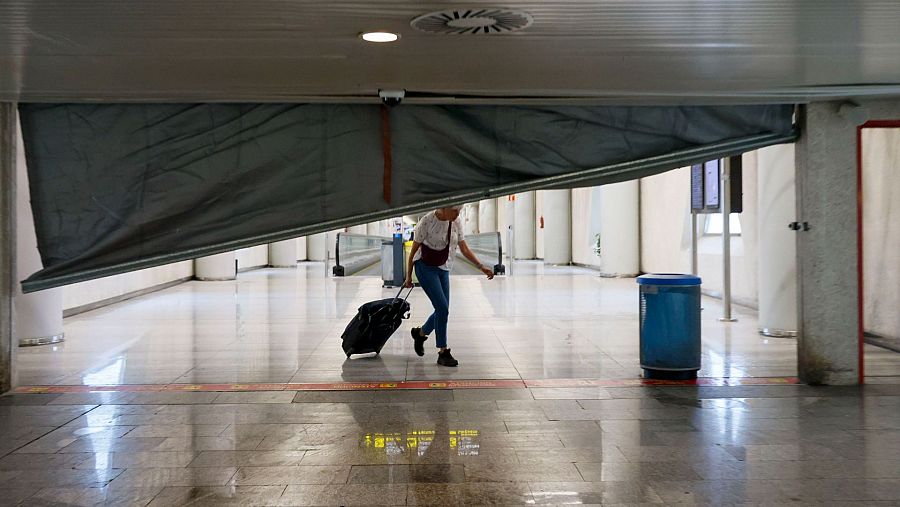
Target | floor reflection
(461,442)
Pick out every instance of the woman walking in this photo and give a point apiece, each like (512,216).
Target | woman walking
(435,241)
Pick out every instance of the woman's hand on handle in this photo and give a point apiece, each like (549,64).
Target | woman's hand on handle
(408,283)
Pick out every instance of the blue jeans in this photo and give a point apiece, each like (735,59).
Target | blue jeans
(436,284)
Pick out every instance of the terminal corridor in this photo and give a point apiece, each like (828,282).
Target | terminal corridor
(284,326)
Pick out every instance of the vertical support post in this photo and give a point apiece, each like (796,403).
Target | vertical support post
(694,250)
(399,260)
(725,188)
(7,241)
(510,243)
(827,245)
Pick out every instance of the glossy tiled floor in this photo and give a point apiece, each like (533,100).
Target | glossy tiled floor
(751,445)
(280,325)
(717,446)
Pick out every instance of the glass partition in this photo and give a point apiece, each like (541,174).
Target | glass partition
(487,247)
(356,252)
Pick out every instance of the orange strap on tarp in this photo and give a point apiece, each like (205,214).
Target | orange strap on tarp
(386,147)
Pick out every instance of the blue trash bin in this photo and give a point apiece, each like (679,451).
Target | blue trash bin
(670,326)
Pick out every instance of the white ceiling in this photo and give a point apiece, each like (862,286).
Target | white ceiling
(609,51)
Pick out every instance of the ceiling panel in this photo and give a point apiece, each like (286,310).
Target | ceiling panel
(632,51)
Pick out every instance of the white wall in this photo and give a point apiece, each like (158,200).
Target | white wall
(253,257)
(881,232)
(666,234)
(92,291)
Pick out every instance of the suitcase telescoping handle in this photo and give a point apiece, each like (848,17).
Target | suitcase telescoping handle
(401,292)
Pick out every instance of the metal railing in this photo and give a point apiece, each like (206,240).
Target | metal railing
(488,248)
(356,252)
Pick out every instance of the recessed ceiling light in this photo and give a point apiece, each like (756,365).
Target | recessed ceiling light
(379,36)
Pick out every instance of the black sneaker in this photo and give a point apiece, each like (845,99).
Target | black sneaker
(418,341)
(446,359)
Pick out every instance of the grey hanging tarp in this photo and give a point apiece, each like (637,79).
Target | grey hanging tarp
(120,187)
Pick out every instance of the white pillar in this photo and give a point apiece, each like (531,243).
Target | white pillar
(470,220)
(619,229)
(215,267)
(523,226)
(776,200)
(283,254)
(357,229)
(301,249)
(487,215)
(39,315)
(316,247)
(558,226)
(539,224)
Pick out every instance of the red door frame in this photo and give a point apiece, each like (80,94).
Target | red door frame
(872,124)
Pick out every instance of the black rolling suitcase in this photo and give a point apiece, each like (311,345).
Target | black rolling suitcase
(374,323)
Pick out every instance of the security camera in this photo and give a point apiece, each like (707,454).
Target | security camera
(391,97)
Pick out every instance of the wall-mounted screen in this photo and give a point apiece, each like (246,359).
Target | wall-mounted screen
(711,185)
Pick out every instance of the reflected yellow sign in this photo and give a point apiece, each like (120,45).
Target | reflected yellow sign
(464,442)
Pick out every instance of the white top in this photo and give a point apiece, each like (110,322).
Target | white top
(433,232)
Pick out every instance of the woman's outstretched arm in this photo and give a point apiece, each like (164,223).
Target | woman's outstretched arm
(469,254)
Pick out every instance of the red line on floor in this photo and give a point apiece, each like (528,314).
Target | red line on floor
(418,384)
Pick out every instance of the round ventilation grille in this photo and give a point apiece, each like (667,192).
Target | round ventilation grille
(473,21)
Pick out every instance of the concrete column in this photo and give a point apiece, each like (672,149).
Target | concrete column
(283,254)
(827,256)
(487,215)
(215,267)
(301,249)
(620,229)
(357,229)
(316,247)
(776,202)
(8,121)
(470,220)
(39,318)
(558,226)
(523,225)
(373,229)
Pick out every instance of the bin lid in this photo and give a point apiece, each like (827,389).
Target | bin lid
(668,279)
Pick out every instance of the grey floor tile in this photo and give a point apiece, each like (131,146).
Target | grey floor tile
(348,494)
(137,459)
(600,493)
(307,474)
(161,477)
(544,472)
(516,493)
(130,497)
(219,495)
(256,397)
(246,458)
(636,472)
(492,394)
(438,495)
